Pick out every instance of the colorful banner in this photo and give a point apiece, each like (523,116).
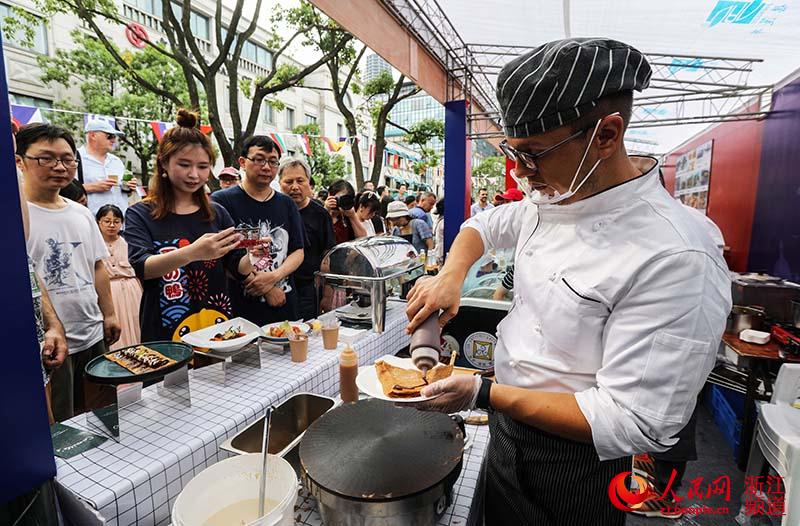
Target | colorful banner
(22,115)
(276,138)
(160,128)
(334,146)
(305,144)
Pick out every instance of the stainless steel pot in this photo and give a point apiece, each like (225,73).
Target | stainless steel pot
(742,318)
(370,463)
(423,509)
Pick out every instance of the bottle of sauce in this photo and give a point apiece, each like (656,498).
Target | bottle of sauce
(425,346)
(348,370)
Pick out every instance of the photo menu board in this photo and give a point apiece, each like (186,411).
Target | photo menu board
(693,176)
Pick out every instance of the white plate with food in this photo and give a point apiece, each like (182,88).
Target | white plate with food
(227,336)
(279,332)
(397,379)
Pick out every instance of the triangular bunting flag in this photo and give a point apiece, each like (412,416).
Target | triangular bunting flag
(159,128)
(276,138)
(334,146)
(23,115)
(304,143)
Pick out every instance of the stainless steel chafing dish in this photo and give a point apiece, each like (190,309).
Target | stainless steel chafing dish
(374,267)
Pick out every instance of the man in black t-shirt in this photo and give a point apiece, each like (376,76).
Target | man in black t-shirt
(294,176)
(269,294)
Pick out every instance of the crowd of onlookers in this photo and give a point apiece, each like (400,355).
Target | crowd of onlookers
(112,264)
(110,269)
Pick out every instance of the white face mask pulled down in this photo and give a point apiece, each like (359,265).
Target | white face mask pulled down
(538,197)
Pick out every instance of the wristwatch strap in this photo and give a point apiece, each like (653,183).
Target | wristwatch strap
(483,401)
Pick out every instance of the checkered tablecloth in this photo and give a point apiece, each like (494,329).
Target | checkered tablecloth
(163,445)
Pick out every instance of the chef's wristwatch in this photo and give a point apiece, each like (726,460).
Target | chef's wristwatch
(483,400)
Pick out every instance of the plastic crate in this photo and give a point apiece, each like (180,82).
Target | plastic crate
(727,407)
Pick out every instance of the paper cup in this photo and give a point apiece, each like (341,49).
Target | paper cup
(330,337)
(299,348)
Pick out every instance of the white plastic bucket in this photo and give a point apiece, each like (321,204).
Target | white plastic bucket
(233,480)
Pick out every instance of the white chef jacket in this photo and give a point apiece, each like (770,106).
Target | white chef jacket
(621,299)
(710,226)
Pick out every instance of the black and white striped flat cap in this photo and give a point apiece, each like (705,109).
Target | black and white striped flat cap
(559,81)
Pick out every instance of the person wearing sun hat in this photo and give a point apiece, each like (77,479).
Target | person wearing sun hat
(620,296)
(228,177)
(415,231)
(102,170)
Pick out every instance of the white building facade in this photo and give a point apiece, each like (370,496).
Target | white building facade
(302,105)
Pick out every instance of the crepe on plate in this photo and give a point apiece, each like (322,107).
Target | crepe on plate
(398,382)
(140,359)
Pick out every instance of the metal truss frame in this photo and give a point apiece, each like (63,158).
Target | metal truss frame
(684,89)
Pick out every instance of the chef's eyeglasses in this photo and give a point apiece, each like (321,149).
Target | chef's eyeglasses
(263,162)
(530,159)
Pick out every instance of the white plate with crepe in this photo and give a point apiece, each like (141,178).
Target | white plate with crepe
(368,382)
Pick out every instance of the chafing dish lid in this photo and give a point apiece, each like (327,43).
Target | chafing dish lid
(371,257)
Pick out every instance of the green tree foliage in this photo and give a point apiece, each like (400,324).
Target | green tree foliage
(422,132)
(490,167)
(382,93)
(108,89)
(198,66)
(419,135)
(325,167)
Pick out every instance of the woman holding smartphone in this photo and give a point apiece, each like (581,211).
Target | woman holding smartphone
(180,244)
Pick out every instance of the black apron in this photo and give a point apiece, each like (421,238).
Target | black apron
(534,478)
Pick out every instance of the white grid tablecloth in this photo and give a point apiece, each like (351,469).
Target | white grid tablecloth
(163,445)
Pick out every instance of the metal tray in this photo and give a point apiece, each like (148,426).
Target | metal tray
(103,371)
(289,422)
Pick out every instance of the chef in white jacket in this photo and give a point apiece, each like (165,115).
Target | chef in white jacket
(620,296)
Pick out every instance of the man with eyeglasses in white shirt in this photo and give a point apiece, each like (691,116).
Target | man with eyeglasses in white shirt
(67,250)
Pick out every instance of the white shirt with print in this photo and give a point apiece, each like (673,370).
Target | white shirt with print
(64,245)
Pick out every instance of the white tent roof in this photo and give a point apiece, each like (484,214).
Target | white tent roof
(753,29)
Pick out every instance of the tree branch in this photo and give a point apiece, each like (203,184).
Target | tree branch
(318,88)
(189,38)
(225,47)
(177,40)
(353,69)
(398,126)
(87,17)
